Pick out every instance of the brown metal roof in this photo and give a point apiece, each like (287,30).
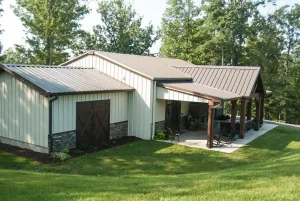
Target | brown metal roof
(201,90)
(58,80)
(155,68)
(236,79)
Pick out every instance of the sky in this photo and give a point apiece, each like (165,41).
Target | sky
(151,10)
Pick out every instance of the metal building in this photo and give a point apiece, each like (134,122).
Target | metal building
(98,96)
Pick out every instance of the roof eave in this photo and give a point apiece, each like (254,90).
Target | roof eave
(198,94)
(173,79)
(89,92)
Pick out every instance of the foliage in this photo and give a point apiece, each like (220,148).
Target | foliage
(179,27)
(234,32)
(120,31)
(51,26)
(160,135)
(18,55)
(65,150)
(62,156)
(152,170)
(1,10)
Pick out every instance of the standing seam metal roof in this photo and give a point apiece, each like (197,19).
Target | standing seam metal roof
(157,68)
(154,68)
(235,79)
(54,80)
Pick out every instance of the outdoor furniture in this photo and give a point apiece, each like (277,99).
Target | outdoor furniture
(248,125)
(172,134)
(217,134)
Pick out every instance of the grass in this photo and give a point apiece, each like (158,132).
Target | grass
(266,169)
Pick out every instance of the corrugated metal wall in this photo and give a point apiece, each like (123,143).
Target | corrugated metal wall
(64,109)
(24,112)
(160,112)
(139,101)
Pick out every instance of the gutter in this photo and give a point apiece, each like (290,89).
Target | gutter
(50,123)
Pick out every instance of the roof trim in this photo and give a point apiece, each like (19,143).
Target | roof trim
(91,92)
(49,94)
(197,93)
(77,58)
(221,67)
(259,75)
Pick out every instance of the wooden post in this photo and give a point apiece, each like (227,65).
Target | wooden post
(262,104)
(210,124)
(242,118)
(257,114)
(249,110)
(233,116)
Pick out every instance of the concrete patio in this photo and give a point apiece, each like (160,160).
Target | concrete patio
(198,139)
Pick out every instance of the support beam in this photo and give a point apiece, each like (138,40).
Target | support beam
(233,116)
(262,107)
(249,110)
(242,118)
(210,124)
(257,114)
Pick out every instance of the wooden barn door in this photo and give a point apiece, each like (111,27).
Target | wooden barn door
(92,123)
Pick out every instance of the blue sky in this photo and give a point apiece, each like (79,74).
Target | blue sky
(151,10)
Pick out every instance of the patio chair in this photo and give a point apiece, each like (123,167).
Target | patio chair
(217,134)
(172,134)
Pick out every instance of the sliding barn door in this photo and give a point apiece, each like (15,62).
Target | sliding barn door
(92,123)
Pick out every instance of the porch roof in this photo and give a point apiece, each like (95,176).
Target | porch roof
(239,80)
(201,91)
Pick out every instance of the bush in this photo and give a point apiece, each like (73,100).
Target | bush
(60,155)
(65,150)
(160,135)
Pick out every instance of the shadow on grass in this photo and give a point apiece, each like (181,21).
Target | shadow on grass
(259,180)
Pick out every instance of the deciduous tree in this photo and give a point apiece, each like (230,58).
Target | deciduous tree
(51,27)
(120,30)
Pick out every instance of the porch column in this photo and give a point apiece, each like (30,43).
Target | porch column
(262,107)
(249,108)
(233,116)
(242,118)
(257,114)
(210,123)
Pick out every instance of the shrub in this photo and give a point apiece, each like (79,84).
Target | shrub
(65,150)
(160,135)
(60,155)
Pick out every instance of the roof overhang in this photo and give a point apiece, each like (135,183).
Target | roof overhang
(201,91)
(170,94)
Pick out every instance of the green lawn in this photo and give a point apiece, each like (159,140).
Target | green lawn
(267,169)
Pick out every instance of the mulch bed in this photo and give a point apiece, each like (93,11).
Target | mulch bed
(46,158)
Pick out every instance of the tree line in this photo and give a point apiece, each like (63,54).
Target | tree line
(214,32)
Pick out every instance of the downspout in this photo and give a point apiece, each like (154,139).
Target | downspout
(153,110)
(50,122)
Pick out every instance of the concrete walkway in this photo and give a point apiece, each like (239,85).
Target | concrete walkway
(197,139)
(294,126)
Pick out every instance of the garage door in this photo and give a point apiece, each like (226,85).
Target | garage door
(92,123)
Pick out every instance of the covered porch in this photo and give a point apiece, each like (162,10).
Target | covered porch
(198,139)
(242,94)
